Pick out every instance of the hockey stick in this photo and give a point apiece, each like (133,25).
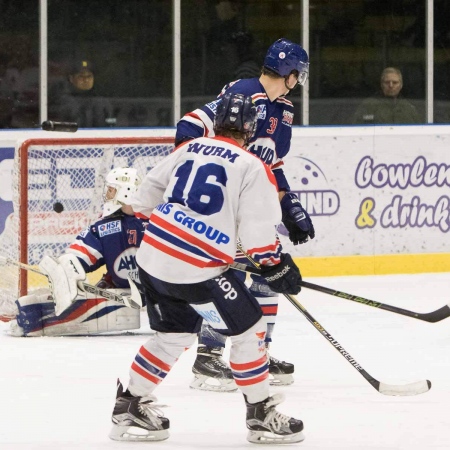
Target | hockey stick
(432,317)
(131,301)
(419,387)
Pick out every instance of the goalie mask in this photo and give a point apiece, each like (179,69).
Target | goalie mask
(284,56)
(120,184)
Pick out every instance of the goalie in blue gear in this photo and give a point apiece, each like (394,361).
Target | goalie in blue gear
(110,243)
(286,65)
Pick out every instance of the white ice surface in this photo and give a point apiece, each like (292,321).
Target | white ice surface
(57,393)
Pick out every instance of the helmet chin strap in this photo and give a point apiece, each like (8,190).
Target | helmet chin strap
(286,79)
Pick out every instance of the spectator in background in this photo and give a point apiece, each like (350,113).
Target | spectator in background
(247,66)
(77,100)
(25,113)
(219,45)
(388,106)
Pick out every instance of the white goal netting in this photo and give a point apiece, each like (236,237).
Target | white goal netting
(51,173)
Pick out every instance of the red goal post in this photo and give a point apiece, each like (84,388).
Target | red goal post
(48,174)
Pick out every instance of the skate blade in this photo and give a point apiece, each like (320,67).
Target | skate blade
(265,437)
(130,433)
(205,383)
(280,379)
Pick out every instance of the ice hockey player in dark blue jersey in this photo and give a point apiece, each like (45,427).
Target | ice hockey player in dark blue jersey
(111,242)
(286,64)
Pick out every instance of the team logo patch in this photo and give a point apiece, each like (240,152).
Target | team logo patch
(125,264)
(288,118)
(110,228)
(213,106)
(261,112)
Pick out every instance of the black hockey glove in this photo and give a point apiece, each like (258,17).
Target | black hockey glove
(296,219)
(106,282)
(283,278)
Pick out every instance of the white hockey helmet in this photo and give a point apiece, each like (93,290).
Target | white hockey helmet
(125,181)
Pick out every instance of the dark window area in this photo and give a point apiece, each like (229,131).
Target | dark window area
(124,53)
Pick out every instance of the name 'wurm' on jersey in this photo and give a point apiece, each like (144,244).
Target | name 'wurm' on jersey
(199,200)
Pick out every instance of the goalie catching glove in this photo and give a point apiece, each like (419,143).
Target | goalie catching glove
(63,274)
(285,277)
(296,219)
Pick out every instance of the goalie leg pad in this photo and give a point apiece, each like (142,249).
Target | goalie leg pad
(32,309)
(91,316)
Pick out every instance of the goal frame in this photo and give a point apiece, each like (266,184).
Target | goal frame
(22,150)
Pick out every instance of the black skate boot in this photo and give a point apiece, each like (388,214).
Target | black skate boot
(268,426)
(137,418)
(280,372)
(211,372)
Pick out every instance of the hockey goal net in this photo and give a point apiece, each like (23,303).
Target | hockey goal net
(57,189)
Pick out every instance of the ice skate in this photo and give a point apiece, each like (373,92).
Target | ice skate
(211,373)
(280,372)
(137,418)
(268,426)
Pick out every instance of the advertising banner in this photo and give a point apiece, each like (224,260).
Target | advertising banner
(378,196)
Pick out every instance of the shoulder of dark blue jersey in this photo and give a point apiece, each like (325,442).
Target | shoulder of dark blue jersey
(126,219)
(247,86)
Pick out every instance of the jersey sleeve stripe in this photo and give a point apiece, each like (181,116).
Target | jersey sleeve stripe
(201,119)
(259,96)
(83,252)
(141,216)
(267,255)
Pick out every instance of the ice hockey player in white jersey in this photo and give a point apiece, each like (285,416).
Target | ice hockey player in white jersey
(199,200)
(285,65)
(111,242)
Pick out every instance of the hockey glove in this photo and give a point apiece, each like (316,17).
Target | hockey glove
(296,219)
(106,282)
(285,277)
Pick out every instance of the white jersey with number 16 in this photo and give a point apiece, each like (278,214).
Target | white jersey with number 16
(199,200)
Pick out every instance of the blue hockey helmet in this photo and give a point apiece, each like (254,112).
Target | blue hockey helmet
(284,56)
(236,112)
